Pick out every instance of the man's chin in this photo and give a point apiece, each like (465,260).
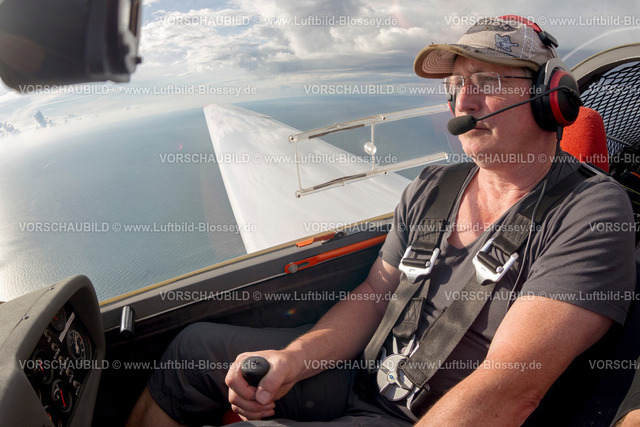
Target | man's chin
(476,140)
(478,145)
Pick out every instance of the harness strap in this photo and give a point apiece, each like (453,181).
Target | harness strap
(447,331)
(512,237)
(427,244)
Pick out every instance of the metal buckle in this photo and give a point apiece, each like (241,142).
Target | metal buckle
(486,273)
(414,272)
(392,382)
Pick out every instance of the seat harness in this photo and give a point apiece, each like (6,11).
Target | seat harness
(405,372)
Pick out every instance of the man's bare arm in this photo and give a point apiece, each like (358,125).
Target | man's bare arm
(534,344)
(346,329)
(341,334)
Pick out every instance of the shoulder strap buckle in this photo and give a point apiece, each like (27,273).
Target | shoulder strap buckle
(414,267)
(488,268)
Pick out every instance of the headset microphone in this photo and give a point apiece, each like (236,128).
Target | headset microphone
(461,124)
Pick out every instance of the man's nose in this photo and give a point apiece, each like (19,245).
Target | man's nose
(468,97)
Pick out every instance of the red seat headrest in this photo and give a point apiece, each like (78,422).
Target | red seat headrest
(586,139)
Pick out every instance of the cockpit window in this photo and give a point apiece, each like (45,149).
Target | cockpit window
(122,183)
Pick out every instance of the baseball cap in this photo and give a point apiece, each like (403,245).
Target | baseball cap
(507,40)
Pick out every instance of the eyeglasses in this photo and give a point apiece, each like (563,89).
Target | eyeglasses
(485,82)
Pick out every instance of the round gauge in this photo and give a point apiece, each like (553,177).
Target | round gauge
(78,346)
(61,395)
(59,321)
(40,367)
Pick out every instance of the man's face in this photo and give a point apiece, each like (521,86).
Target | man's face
(514,131)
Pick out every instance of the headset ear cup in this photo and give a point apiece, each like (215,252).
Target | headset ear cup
(563,107)
(540,106)
(557,108)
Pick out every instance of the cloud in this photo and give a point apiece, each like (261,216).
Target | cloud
(292,36)
(280,46)
(274,37)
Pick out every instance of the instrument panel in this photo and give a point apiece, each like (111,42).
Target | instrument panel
(60,363)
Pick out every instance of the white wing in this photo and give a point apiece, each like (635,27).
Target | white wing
(257,165)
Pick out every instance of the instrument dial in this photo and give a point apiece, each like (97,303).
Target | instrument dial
(59,321)
(79,347)
(61,396)
(41,367)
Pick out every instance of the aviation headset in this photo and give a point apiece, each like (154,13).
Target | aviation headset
(557,108)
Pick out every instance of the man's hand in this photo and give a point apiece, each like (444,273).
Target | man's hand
(328,340)
(254,403)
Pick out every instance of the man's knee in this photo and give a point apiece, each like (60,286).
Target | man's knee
(204,339)
(198,341)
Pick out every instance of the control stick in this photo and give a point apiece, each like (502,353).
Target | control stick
(254,368)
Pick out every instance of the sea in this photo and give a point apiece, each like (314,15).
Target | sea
(103,203)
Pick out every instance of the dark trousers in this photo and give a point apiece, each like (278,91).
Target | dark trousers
(189,382)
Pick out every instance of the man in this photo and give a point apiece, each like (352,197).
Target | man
(514,349)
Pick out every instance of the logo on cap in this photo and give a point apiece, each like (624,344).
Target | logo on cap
(504,43)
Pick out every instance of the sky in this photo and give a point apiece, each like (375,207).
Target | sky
(197,52)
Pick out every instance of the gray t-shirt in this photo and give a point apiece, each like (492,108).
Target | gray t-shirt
(582,254)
